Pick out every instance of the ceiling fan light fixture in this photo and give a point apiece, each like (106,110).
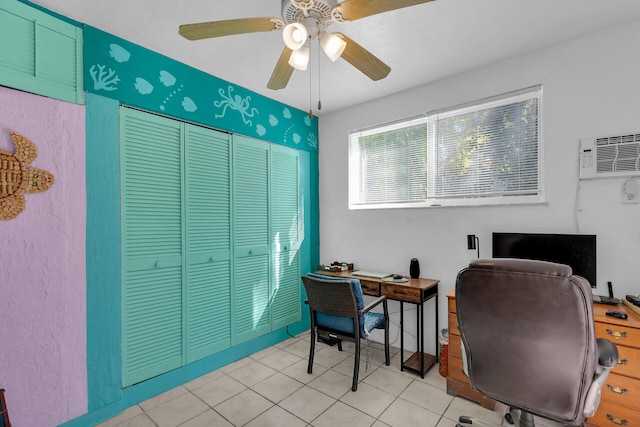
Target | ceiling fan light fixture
(299,59)
(332,45)
(295,35)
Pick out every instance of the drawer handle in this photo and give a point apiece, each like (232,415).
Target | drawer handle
(623,362)
(617,390)
(616,334)
(399,293)
(617,420)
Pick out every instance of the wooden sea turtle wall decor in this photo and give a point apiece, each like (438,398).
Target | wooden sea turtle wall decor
(17,178)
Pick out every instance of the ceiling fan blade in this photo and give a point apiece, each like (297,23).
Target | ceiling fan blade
(282,73)
(363,60)
(205,30)
(356,9)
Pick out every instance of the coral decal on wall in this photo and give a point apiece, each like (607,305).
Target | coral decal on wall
(104,79)
(17,178)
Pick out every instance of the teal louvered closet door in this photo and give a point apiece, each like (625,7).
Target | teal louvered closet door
(40,53)
(208,237)
(251,315)
(285,232)
(152,245)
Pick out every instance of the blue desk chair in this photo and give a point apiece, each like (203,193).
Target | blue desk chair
(337,310)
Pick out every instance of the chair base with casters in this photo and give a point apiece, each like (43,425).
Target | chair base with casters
(338,313)
(528,341)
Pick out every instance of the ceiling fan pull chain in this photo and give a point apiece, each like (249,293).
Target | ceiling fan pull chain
(319,93)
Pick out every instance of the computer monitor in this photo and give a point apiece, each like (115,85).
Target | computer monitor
(578,251)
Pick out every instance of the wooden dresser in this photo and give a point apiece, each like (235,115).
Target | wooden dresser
(620,404)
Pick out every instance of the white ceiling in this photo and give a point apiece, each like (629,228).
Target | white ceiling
(421,43)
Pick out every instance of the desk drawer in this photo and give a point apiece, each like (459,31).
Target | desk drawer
(619,335)
(611,415)
(370,288)
(401,293)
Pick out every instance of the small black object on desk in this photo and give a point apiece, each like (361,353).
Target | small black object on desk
(617,314)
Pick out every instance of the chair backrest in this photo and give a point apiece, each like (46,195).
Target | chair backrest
(528,333)
(334,302)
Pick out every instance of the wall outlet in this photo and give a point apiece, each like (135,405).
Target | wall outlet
(629,193)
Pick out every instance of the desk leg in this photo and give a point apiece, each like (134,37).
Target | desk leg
(421,332)
(401,337)
(435,299)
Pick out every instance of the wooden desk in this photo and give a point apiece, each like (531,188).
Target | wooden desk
(415,291)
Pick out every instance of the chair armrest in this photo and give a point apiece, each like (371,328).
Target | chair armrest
(607,359)
(374,303)
(607,353)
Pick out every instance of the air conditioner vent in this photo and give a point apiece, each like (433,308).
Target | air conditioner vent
(618,139)
(611,156)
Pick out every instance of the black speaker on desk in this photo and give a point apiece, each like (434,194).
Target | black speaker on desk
(414,268)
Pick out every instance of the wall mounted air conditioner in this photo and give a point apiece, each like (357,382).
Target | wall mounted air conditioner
(612,156)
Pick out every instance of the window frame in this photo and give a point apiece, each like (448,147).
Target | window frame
(431,121)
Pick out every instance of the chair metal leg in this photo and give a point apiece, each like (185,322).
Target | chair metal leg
(312,351)
(387,359)
(356,366)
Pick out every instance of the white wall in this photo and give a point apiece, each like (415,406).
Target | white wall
(591,87)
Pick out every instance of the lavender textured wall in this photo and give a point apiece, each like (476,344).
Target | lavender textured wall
(42,268)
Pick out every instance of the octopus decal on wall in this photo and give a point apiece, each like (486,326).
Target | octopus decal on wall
(16,178)
(237,103)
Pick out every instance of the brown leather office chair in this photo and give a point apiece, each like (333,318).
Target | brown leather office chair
(528,340)
(338,311)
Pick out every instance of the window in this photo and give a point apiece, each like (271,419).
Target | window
(482,154)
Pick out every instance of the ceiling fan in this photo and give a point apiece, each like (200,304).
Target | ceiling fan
(303,21)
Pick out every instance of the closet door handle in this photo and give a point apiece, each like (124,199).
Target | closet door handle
(157,264)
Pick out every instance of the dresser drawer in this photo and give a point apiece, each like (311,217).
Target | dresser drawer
(612,415)
(456,370)
(452,305)
(455,349)
(622,390)
(453,324)
(628,362)
(619,335)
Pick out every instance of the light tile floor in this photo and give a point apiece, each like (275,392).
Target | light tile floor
(272,388)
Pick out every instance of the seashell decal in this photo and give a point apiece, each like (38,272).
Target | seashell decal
(307,120)
(261,130)
(273,120)
(286,113)
(296,138)
(188,105)
(167,78)
(143,86)
(119,53)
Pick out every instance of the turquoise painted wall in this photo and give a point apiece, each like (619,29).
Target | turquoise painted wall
(118,72)
(118,69)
